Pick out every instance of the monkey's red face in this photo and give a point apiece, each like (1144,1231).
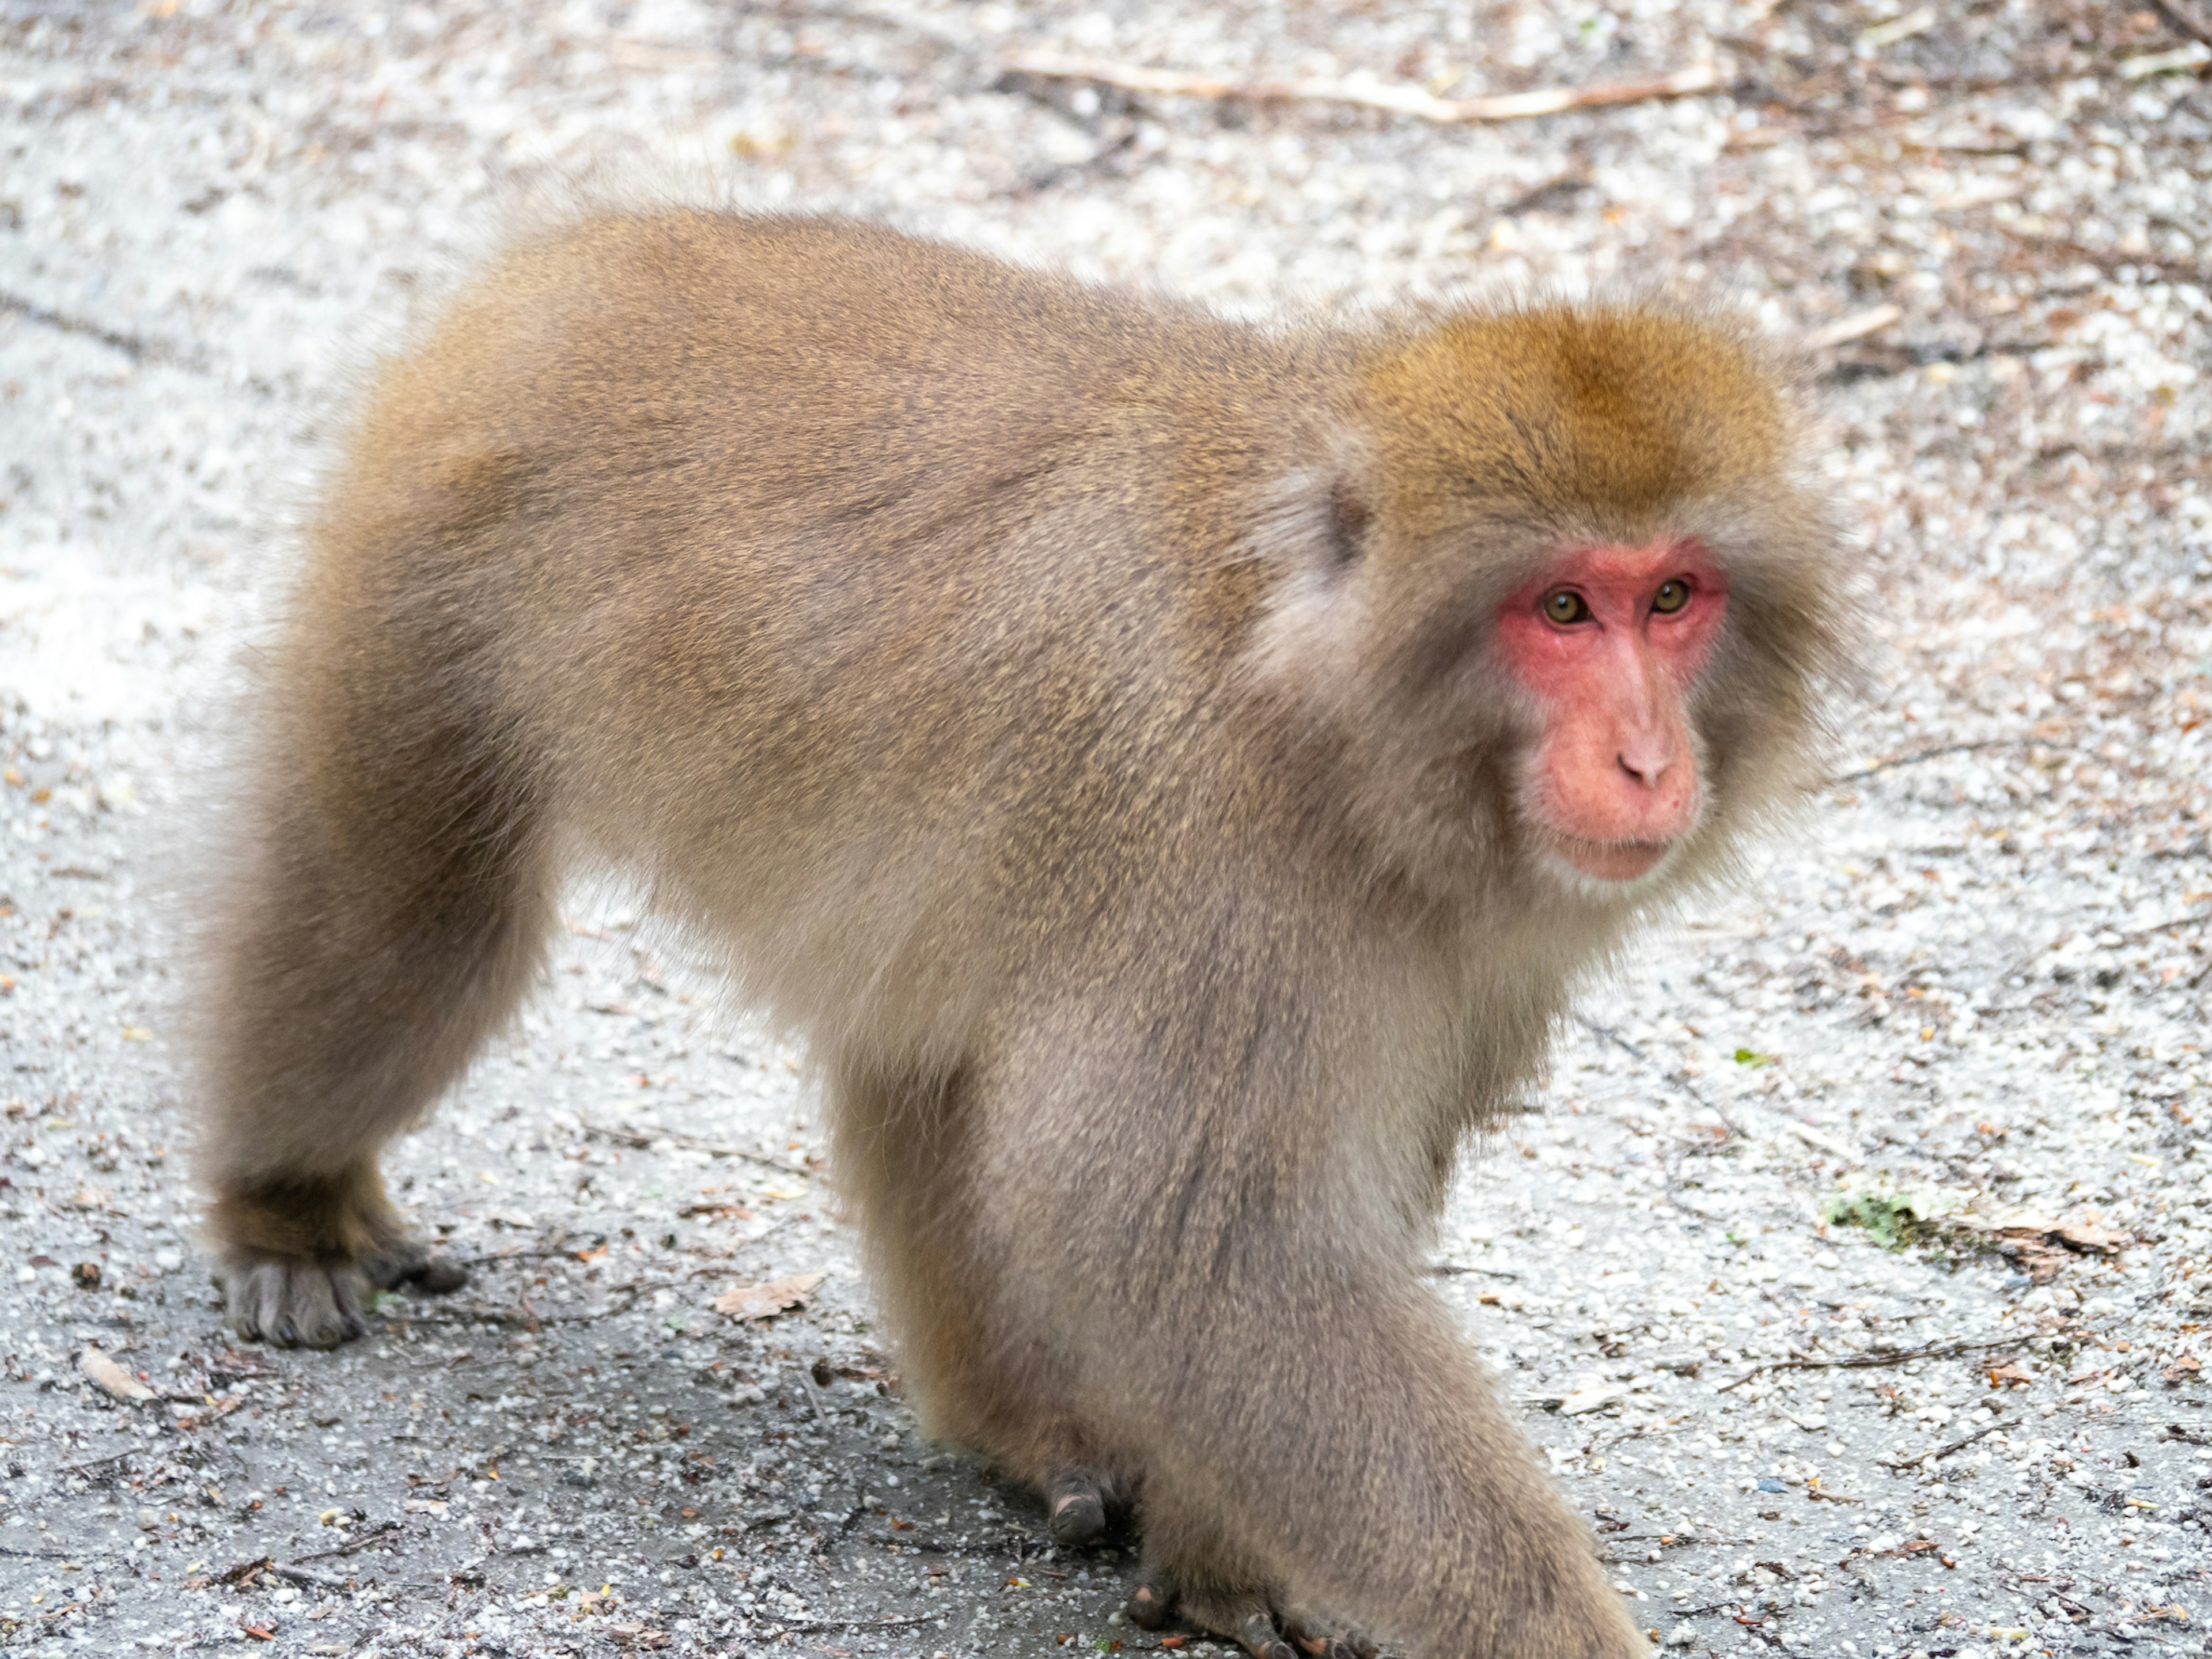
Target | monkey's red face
(1608,641)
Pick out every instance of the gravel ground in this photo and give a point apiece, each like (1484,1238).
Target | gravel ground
(1851,1266)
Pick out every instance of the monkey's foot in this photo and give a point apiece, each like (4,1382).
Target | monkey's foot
(1075,1506)
(1246,1615)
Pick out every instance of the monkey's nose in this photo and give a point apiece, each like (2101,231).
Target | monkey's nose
(1646,760)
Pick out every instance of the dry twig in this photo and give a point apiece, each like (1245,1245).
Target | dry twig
(1398,99)
(1886,1357)
(1919,754)
(1942,1452)
(1858,326)
(712,1148)
(361,1540)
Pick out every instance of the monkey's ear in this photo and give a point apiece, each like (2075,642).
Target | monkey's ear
(1315,522)
(1347,515)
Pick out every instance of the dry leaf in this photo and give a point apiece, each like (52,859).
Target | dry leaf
(111,1377)
(2039,1244)
(766,1301)
(2086,1234)
(1591,1400)
(729,1212)
(2007,1371)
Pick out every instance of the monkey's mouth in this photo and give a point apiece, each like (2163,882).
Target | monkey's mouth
(1608,860)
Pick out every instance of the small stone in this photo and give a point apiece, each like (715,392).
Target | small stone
(148,1519)
(1682,1636)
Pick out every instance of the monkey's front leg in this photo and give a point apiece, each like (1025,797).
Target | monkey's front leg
(1316,1435)
(1357,1463)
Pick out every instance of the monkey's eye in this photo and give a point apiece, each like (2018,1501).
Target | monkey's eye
(1564,605)
(1672,596)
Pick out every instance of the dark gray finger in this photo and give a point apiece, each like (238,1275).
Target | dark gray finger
(1260,1638)
(1317,1638)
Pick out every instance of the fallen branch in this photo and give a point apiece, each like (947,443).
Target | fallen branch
(1940,1454)
(1886,1357)
(1680,1082)
(712,1148)
(100,1468)
(380,1530)
(816,1625)
(1398,99)
(1919,755)
(1844,330)
(457,1314)
(1450,1269)
(134,347)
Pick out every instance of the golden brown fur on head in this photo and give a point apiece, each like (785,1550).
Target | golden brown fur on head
(1475,448)
(1084,720)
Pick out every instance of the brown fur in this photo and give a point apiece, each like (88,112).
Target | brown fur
(1070,712)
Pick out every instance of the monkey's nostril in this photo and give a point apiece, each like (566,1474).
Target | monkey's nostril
(1647,762)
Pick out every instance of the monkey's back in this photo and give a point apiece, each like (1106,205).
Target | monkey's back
(842,580)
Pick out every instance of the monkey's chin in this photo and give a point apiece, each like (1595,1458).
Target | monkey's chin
(1607,861)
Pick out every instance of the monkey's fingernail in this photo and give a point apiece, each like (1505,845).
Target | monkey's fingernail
(286,1333)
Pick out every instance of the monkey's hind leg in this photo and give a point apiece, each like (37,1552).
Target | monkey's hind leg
(391,912)
(900,1145)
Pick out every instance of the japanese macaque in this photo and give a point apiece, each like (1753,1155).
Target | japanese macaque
(1173,773)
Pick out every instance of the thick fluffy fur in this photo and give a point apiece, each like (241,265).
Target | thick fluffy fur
(1071,712)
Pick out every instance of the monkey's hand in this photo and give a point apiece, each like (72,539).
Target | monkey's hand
(293,1303)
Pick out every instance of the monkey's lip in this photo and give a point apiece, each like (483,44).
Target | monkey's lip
(1608,860)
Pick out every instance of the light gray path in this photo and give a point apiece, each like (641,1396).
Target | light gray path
(1970,991)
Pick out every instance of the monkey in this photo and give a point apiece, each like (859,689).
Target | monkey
(1173,773)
